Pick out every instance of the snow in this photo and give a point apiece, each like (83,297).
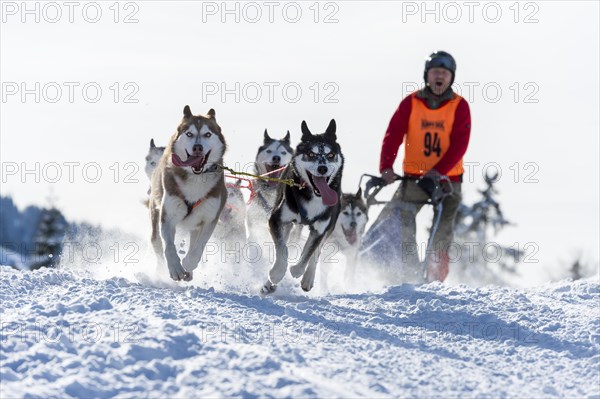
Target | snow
(75,333)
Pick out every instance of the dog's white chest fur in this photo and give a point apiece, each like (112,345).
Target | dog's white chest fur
(194,189)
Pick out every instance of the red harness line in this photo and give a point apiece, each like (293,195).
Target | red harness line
(250,186)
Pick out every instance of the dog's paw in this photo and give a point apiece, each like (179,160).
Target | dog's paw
(276,273)
(297,271)
(178,274)
(188,265)
(306,287)
(267,289)
(307,283)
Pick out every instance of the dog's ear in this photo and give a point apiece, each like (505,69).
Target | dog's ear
(286,139)
(267,138)
(358,193)
(187,112)
(306,134)
(211,113)
(331,130)
(152,145)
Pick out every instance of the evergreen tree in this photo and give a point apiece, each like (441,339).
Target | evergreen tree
(48,239)
(472,229)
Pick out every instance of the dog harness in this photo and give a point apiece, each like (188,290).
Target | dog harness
(192,205)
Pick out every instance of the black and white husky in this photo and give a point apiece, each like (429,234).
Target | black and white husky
(188,191)
(272,155)
(316,169)
(346,238)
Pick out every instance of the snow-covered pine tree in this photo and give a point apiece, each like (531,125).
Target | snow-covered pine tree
(473,226)
(48,240)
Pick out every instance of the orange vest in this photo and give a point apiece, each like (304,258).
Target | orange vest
(428,137)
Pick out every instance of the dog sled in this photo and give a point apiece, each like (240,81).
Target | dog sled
(382,243)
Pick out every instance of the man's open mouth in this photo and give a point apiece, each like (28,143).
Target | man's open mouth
(350,235)
(196,162)
(321,189)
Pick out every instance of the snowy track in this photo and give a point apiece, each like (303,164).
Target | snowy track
(66,334)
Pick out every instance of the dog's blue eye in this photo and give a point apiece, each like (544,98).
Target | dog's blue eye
(345,213)
(311,154)
(283,153)
(330,155)
(269,151)
(189,134)
(358,213)
(207,135)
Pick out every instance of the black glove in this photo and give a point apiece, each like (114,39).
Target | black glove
(429,184)
(435,186)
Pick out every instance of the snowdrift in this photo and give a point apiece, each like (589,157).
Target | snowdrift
(65,334)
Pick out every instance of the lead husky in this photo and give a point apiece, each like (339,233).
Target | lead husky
(188,191)
(347,235)
(316,169)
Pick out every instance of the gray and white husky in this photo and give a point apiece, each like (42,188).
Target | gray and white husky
(313,201)
(188,191)
(346,238)
(272,155)
(152,158)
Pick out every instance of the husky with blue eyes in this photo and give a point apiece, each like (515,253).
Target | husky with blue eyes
(188,191)
(272,157)
(313,201)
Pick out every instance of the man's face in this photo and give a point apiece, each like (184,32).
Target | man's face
(439,80)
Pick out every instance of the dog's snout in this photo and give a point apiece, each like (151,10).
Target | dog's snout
(276,159)
(353,224)
(322,169)
(197,149)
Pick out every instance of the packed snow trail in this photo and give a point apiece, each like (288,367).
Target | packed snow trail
(66,334)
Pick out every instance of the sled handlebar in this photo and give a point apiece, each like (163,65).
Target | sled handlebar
(374,186)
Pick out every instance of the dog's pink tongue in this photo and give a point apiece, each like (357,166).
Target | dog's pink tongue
(190,161)
(350,236)
(329,196)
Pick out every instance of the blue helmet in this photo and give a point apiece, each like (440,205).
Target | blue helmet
(440,59)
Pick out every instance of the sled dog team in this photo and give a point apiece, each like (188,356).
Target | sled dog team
(188,191)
